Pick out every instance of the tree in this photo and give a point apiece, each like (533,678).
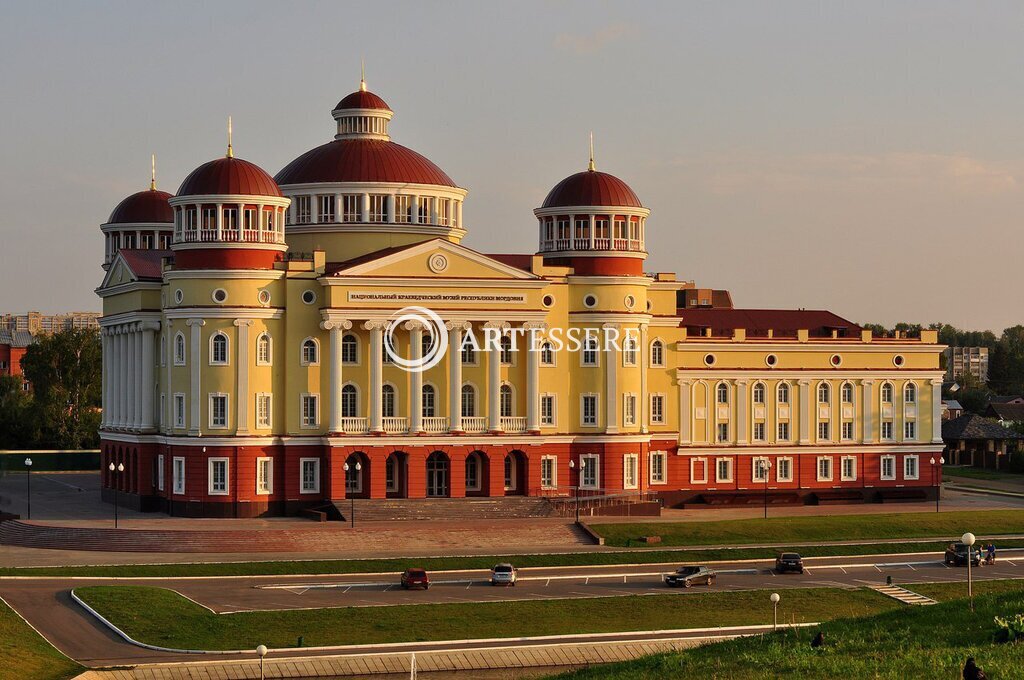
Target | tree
(65,371)
(19,428)
(1006,362)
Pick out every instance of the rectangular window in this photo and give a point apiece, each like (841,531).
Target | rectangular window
(303,210)
(218,476)
(723,470)
(179,410)
(326,205)
(759,431)
(723,432)
(310,475)
(630,463)
(847,430)
(548,474)
(588,406)
(403,209)
(698,470)
(160,472)
(910,430)
(264,476)
(589,473)
(268,220)
(629,409)
(310,408)
(910,470)
(848,473)
(759,471)
(263,404)
(218,410)
(230,221)
(442,211)
(547,409)
(824,469)
(784,469)
(659,465)
(378,208)
(783,433)
(823,430)
(178,475)
(351,207)
(426,210)
(657,409)
(887,429)
(888,468)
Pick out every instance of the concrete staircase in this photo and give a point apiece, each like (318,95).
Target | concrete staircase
(454,509)
(903,595)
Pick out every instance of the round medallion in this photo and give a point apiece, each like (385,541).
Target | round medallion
(437,263)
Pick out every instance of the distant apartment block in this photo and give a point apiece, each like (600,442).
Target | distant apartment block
(967,361)
(37,322)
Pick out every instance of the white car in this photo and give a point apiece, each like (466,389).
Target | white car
(503,574)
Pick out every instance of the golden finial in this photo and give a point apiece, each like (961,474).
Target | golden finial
(152,173)
(231,153)
(591,166)
(362,75)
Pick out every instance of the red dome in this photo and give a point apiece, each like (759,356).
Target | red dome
(362,160)
(229,176)
(146,207)
(361,99)
(591,187)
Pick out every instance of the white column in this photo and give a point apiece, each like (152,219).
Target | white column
(645,401)
(611,393)
(684,412)
(105,389)
(805,412)
(458,210)
(455,329)
(148,374)
(593,226)
(120,375)
(376,329)
(364,208)
(493,379)
(137,394)
(532,377)
(131,374)
(220,221)
(195,359)
(166,418)
(390,208)
(337,329)
(741,411)
(242,376)
(415,377)
(936,423)
(868,409)
(416,212)
(337,208)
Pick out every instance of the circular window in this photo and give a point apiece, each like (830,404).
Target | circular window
(178,296)
(219,295)
(709,359)
(771,360)
(630,302)
(897,360)
(650,305)
(836,360)
(590,301)
(308,296)
(264,297)
(548,300)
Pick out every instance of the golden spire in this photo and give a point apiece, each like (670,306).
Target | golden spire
(152,174)
(591,166)
(231,153)
(362,75)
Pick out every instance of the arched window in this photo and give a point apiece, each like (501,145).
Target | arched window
(310,352)
(349,401)
(505,401)
(349,349)
(590,351)
(824,393)
(910,393)
(629,351)
(387,401)
(263,350)
(179,349)
(426,343)
(847,393)
(887,393)
(473,466)
(547,354)
(429,401)
(219,349)
(468,353)
(657,353)
(506,350)
(468,401)
(722,393)
(758,394)
(782,393)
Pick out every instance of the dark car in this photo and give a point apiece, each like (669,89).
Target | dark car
(688,576)
(956,554)
(789,562)
(415,578)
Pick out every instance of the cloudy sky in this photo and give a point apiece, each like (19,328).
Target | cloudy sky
(862,157)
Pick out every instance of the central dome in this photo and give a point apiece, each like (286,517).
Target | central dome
(591,187)
(362,160)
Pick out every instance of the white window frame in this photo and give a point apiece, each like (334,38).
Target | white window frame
(657,361)
(269,361)
(909,430)
(210,463)
(891,436)
(787,463)
(179,360)
(268,423)
(630,349)
(824,431)
(595,459)
(315,396)
(554,409)
(759,431)
(597,406)
(852,476)
(817,469)
(629,409)
(179,413)
(704,465)
(178,476)
(891,459)
(302,475)
(778,431)
(160,472)
(911,458)
(547,358)
(227,410)
(662,473)
(846,431)
(719,478)
(759,469)
(630,471)
(595,353)
(354,413)
(549,477)
(268,486)
(657,413)
(227,349)
(722,433)
(302,352)
(355,349)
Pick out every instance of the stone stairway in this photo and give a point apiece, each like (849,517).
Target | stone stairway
(903,595)
(455,509)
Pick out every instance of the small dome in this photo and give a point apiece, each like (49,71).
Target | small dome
(229,175)
(362,160)
(591,187)
(362,99)
(144,207)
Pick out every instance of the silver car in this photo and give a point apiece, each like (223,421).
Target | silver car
(503,574)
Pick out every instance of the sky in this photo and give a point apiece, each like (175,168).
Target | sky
(862,157)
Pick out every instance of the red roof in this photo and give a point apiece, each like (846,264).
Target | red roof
(362,160)
(229,176)
(361,99)
(145,263)
(820,323)
(591,187)
(148,206)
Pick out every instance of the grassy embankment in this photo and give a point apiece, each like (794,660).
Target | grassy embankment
(24,655)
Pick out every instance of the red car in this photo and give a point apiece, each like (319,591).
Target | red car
(415,578)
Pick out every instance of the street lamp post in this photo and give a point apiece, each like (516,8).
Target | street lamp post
(117,481)
(28,487)
(575,491)
(968,540)
(352,512)
(766,468)
(262,652)
(775,610)
(935,482)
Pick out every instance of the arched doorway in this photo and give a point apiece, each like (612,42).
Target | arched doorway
(515,473)
(396,470)
(438,475)
(476,474)
(356,475)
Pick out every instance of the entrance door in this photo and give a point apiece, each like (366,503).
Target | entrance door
(437,475)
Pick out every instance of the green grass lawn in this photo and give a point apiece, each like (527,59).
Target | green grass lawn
(825,528)
(908,642)
(979,473)
(24,655)
(162,617)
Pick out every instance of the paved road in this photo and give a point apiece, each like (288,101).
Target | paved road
(46,602)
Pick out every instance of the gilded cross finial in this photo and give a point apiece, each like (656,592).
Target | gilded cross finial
(152,173)
(231,153)
(592,166)
(362,75)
